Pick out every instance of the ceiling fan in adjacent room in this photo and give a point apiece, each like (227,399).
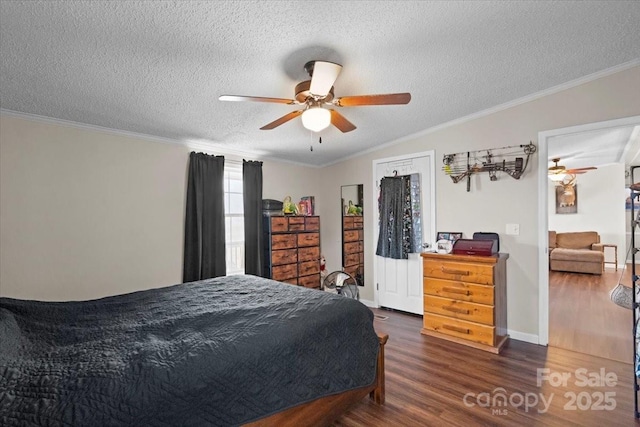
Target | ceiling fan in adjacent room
(558,172)
(317,98)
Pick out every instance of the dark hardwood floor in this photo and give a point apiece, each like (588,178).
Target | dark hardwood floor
(427,380)
(582,317)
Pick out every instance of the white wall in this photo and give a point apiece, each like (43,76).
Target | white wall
(85,213)
(601,197)
(490,205)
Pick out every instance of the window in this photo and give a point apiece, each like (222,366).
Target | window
(234,218)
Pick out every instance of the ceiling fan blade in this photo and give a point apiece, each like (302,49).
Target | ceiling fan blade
(323,77)
(256,99)
(388,99)
(579,170)
(588,168)
(339,121)
(281,120)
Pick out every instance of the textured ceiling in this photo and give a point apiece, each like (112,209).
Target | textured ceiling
(157,68)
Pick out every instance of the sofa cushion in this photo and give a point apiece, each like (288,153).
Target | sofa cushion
(577,240)
(552,239)
(579,255)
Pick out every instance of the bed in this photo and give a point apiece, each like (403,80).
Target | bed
(227,351)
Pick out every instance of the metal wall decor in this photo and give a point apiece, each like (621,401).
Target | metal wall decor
(512,160)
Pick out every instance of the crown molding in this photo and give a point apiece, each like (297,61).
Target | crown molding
(528,98)
(214,146)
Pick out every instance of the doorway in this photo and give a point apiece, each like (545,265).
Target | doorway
(398,282)
(608,279)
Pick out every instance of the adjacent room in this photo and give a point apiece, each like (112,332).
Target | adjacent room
(294,213)
(589,240)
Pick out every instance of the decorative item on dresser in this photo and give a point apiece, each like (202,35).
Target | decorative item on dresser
(292,249)
(465,299)
(353,247)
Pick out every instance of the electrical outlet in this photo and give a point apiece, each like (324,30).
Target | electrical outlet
(513,229)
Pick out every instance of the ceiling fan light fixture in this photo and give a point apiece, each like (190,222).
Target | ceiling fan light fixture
(316,118)
(557,177)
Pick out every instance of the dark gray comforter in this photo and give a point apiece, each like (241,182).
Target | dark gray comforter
(222,351)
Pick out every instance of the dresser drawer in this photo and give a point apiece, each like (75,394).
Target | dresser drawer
(311,253)
(312,223)
(351,235)
(312,281)
(466,272)
(352,259)
(347,222)
(285,256)
(309,267)
(459,309)
(459,328)
(482,294)
(296,223)
(279,223)
(283,241)
(308,239)
(284,272)
(352,248)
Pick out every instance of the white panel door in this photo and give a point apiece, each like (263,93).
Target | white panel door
(399,281)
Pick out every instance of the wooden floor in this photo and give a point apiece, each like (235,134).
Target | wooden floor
(582,317)
(428,378)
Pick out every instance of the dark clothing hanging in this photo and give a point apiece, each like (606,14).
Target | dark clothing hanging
(204,231)
(252,191)
(395,237)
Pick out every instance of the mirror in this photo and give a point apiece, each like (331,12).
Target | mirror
(353,231)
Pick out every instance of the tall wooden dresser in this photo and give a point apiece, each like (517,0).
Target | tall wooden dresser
(292,249)
(353,246)
(465,299)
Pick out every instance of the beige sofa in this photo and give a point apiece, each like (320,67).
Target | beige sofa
(576,252)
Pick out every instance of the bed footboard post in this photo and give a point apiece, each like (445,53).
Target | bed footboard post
(377,394)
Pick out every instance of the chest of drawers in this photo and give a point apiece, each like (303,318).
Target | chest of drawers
(465,299)
(353,246)
(292,250)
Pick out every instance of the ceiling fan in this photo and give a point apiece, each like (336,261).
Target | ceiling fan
(317,98)
(558,172)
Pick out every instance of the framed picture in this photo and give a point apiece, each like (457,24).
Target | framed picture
(448,235)
(567,199)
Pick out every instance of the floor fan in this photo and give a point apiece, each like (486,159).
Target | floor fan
(343,283)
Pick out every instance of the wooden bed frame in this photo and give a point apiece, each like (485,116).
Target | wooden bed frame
(326,409)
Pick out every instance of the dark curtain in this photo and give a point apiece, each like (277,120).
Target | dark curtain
(395,237)
(204,234)
(252,193)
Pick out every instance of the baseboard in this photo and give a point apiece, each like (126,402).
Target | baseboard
(521,336)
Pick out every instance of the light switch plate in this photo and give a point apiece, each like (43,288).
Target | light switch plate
(513,229)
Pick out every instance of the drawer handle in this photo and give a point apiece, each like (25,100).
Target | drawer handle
(458,272)
(455,309)
(456,329)
(456,290)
